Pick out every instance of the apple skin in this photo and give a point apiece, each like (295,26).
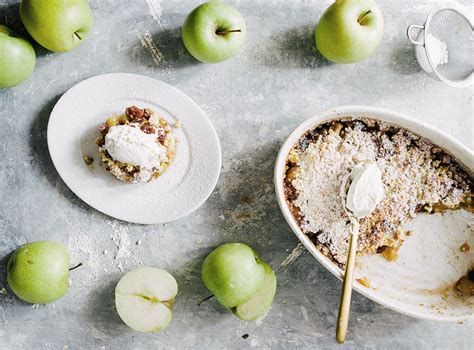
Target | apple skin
(38,272)
(233,272)
(261,301)
(201,27)
(17,55)
(345,35)
(58,25)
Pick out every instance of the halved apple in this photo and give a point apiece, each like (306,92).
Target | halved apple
(261,301)
(144,298)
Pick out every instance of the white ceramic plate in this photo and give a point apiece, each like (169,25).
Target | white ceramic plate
(429,261)
(184,187)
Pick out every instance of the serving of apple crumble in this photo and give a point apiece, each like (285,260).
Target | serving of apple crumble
(417,177)
(136,146)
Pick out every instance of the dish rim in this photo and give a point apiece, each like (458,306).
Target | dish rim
(448,143)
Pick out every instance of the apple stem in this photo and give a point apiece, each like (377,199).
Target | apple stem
(75,267)
(77,35)
(205,299)
(361,18)
(223,32)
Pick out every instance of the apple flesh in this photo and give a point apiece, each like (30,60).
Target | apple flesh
(17,58)
(233,272)
(261,301)
(144,298)
(38,272)
(349,31)
(213,32)
(58,25)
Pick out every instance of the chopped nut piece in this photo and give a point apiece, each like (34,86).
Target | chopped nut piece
(177,125)
(147,129)
(104,128)
(147,113)
(161,138)
(135,114)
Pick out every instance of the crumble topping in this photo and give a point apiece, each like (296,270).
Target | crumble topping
(417,176)
(148,162)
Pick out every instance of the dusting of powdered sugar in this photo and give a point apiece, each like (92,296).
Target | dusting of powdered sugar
(84,247)
(322,168)
(437,49)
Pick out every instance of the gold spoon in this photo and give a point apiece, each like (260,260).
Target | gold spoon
(346,294)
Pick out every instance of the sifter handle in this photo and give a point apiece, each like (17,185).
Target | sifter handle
(410,30)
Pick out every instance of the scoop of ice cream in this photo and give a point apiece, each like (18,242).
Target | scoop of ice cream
(131,145)
(366,189)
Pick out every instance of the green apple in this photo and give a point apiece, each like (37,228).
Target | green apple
(144,298)
(213,32)
(38,272)
(349,30)
(233,272)
(261,301)
(58,25)
(17,58)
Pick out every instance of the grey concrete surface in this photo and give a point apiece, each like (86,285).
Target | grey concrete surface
(254,101)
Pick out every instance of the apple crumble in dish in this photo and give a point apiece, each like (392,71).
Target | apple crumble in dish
(417,177)
(137,146)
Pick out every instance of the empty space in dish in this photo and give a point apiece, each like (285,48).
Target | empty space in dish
(429,264)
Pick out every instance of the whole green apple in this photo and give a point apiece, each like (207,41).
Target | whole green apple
(349,30)
(38,272)
(17,58)
(233,272)
(213,32)
(58,25)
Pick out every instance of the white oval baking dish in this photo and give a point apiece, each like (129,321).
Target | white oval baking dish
(419,283)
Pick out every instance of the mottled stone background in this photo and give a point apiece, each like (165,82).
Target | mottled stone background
(254,101)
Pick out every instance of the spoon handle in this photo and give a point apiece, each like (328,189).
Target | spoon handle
(345,303)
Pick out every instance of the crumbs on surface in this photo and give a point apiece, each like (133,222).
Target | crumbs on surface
(389,253)
(417,175)
(465,248)
(88,160)
(365,281)
(465,285)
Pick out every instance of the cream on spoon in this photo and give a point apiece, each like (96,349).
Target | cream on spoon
(360,199)
(365,191)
